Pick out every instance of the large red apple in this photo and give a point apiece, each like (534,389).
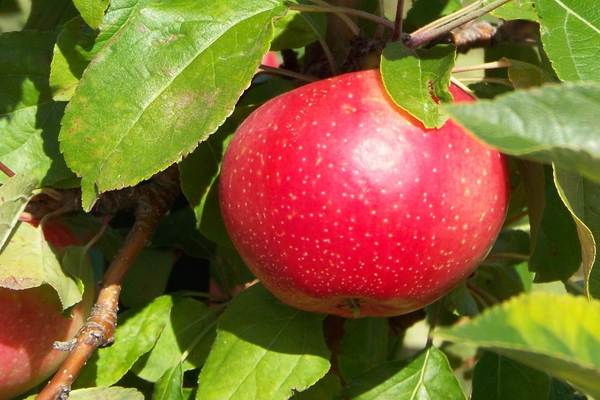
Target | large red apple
(342,203)
(30,321)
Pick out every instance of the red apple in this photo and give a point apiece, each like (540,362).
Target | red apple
(30,321)
(270,59)
(342,203)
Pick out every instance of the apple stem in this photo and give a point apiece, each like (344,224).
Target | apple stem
(445,24)
(502,63)
(286,72)
(345,11)
(7,171)
(154,200)
(354,305)
(398,21)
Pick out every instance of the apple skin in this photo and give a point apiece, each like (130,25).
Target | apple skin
(31,320)
(342,203)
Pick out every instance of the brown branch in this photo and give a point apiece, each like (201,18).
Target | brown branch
(287,73)
(446,24)
(155,199)
(7,171)
(398,21)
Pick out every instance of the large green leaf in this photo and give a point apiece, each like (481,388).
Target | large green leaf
(558,123)
(264,350)
(29,119)
(582,197)
(364,346)
(92,11)
(427,377)
(571,37)
(28,261)
(176,70)
(496,377)
(14,195)
(185,341)
(558,334)
(136,335)
(415,78)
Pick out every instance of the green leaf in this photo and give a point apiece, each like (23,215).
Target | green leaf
(178,231)
(364,346)
(427,376)
(170,385)
(112,393)
(15,193)
(264,350)
(185,341)
(29,119)
(164,108)
(460,301)
(297,30)
(414,77)
(73,51)
(556,252)
(558,334)
(525,75)
(147,277)
(48,15)
(28,261)
(571,37)
(92,11)
(229,270)
(517,9)
(327,388)
(582,198)
(496,377)
(136,335)
(557,124)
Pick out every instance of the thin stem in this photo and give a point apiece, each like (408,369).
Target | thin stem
(286,72)
(516,218)
(324,45)
(499,81)
(448,18)
(7,171)
(502,63)
(508,256)
(344,10)
(346,19)
(398,21)
(461,17)
(99,329)
(460,84)
(490,298)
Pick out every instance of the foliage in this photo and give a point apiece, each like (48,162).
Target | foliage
(99,95)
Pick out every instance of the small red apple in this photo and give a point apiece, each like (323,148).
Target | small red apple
(30,321)
(342,203)
(270,59)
